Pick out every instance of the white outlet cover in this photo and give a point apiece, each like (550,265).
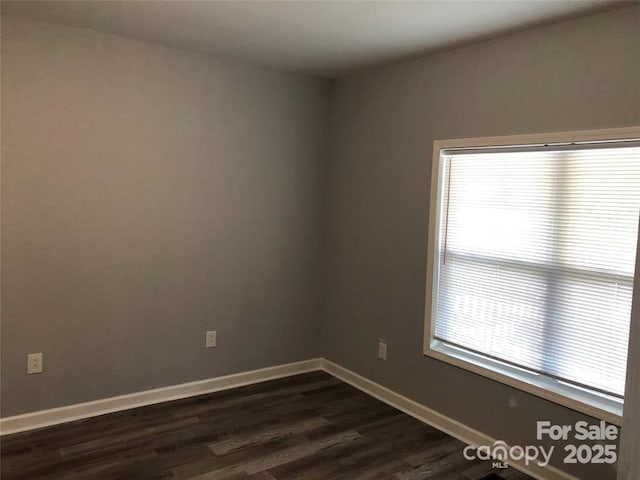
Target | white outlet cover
(382,350)
(34,363)
(211,339)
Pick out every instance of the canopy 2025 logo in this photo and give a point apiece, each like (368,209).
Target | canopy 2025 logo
(584,453)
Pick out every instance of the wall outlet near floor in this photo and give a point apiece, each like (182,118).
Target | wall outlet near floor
(211,340)
(382,349)
(34,363)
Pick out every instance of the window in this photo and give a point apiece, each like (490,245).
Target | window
(532,246)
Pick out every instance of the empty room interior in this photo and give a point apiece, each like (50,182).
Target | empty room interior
(320,240)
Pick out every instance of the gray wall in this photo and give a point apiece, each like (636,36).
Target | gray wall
(582,74)
(148,195)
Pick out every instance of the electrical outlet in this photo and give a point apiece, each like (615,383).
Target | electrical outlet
(211,340)
(382,349)
(34,363)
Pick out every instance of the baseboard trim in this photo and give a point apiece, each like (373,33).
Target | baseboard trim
(54,416)
(435,419)
(464,433)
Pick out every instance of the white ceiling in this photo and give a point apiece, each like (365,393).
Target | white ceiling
(324,38)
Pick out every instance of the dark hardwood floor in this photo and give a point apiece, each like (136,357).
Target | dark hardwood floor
(311,427)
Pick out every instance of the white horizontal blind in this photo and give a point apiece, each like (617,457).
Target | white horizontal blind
(536,258)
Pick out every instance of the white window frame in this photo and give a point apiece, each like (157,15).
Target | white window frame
(585,401)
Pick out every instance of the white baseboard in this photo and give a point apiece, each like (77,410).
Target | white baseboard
(54,416)
(443,423)
(464,433)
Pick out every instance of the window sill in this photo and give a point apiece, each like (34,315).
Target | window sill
(590,403)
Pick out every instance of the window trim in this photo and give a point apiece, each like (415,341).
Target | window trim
(598,406)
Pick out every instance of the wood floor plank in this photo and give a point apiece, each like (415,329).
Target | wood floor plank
(239,441)
(306,427)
